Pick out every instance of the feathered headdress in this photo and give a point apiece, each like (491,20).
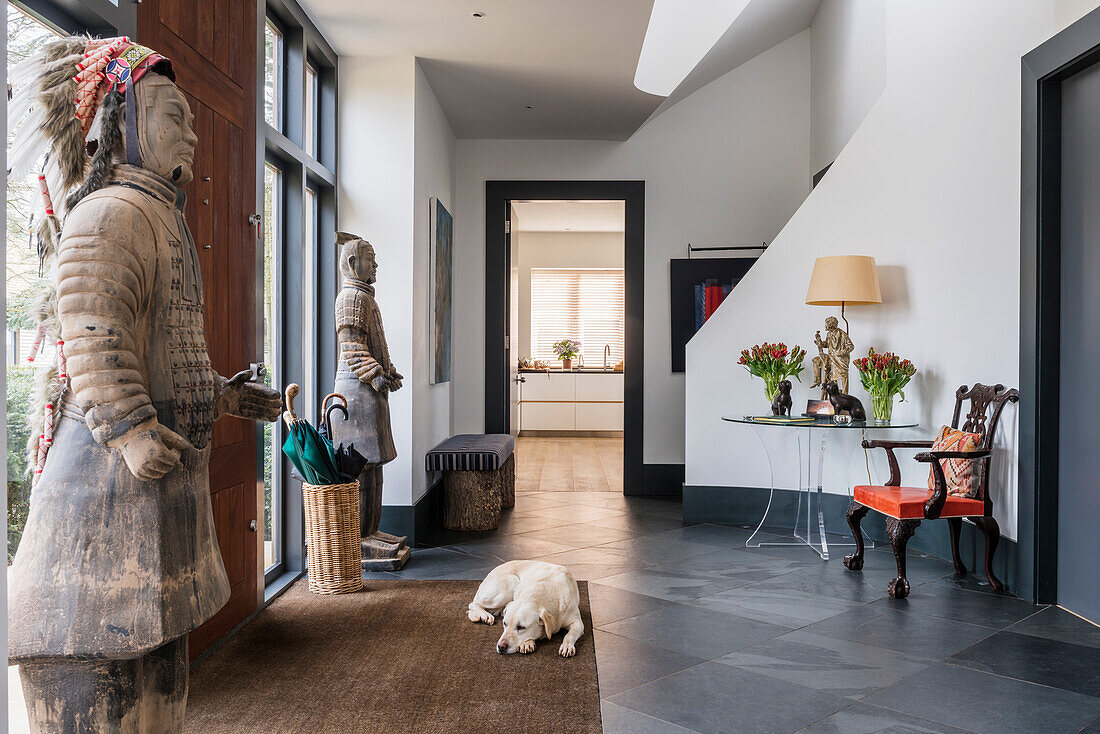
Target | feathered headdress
(68,104)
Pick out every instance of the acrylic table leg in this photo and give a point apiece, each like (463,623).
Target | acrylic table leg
(820,503)
(771,492)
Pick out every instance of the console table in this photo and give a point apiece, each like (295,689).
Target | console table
(807,429)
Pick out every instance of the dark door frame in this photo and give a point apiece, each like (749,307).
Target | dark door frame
(498,194)
(1071,51)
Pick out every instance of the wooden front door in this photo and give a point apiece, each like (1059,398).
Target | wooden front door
(213,51)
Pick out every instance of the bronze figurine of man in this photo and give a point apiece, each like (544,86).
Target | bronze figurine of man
(119,559)
(366,376)
(831,362)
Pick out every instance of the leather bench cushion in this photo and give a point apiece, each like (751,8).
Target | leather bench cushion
(907,503)
(471,452)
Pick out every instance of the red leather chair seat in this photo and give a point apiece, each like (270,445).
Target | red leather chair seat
(907,503)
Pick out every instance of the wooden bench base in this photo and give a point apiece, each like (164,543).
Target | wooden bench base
(472,500)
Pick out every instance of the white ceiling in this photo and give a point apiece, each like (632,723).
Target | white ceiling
(572,61)
(570,216)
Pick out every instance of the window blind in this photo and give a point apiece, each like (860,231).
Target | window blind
(585,304)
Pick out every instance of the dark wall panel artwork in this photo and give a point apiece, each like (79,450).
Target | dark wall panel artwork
(698,287)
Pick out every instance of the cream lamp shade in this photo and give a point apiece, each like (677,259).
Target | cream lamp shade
(842,280)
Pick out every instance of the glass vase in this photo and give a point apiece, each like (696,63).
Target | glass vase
(883,407)
(771,389)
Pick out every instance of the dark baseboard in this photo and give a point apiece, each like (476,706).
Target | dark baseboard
(745,506)
(666,480)
(414,521)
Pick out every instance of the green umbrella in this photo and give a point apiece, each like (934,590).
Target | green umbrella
(311,454)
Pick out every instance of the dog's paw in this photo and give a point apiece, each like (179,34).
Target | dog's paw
(526,646)
(567,650)
(480,616)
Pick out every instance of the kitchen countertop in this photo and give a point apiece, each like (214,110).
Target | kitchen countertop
(581,371)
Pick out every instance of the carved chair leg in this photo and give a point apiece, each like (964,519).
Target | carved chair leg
(900,531)
(992,532)
(856,512)
(955,524)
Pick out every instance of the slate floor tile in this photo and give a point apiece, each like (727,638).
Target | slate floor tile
(432,563)
(987,704)
(694,631)
(1036,660)
(860,718)
(672,585)
(642,523)
(786,607)
(1053,623)
(524,524)
(654,549)
(835,581)
(624,663)
(610,604)
(510,548)
(825,664)
(734,563)
(581,535)
(989,610)
(619,720)
(719,536)
(579,513)
(719,699)
(916,635)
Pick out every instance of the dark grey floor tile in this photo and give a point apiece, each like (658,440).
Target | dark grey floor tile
(579,513)
(916,635)
(736,563)
(654,549)
(833,580)
(610,604)
(989,610)
(988,704)
(593,555)
(656,507)
(469,573)
(859,718)
(719,536)
(825,664)
(919,568)
(671,585)
(510,548)
(434,563)
(624,663)
(1092,728)
(581,535)
(721,699)
(786,607)
(694,631)
(1053,623)
(1046,662)
(642,523)
(526,524)
(619,720)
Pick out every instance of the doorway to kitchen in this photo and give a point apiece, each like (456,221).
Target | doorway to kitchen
(564,314)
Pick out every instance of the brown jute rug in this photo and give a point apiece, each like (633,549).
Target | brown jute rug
(397,657)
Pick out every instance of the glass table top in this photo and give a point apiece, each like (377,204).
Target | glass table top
(800,422)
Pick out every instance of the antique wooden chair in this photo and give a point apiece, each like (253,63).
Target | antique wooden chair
(905,507)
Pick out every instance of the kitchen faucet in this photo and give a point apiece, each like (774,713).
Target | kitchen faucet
(606,354)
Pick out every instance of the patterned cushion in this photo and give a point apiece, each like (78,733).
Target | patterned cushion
(963,475)
(471,452)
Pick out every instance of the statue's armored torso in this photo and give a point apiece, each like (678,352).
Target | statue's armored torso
(99,543)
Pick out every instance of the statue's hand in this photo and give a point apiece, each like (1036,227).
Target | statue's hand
(368,370)
(151,450)
(393,381)
(252,401)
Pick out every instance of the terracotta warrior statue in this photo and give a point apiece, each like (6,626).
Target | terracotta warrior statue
(366,376)
(119,560)
(831,362)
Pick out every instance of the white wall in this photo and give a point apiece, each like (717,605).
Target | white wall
(729,164)
(930,185)
(562,250)
(848,62)
(434,172)
(397,151)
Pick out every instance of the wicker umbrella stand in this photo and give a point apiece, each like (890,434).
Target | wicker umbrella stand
(332,535)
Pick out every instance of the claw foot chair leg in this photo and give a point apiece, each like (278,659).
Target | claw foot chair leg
(955,524)
(856,512)
(900,531)
(992,532)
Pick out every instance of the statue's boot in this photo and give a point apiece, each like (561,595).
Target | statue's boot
(380,554)
(400,540)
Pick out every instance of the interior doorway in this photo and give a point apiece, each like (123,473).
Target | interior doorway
(565,262)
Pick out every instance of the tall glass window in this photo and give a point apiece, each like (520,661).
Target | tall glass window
(273,67)
(310,137)
(272,236)
(24,282)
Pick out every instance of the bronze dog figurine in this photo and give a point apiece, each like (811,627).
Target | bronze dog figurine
(782,403)
(841,401)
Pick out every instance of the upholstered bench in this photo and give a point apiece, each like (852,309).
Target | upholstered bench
(479,478)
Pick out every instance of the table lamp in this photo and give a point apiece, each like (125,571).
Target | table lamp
(842,280)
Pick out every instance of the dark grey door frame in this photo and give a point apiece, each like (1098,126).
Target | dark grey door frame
(498,194)
(1074,49)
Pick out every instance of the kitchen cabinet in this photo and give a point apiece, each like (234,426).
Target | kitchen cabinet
(571,401)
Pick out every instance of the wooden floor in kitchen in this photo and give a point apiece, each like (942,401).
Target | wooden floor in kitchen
(569,464)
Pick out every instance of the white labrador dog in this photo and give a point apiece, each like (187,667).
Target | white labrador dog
(538,598)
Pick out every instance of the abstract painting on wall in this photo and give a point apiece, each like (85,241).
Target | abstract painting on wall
(442,237)
(698,287)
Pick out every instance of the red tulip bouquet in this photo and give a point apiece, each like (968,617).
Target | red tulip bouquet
(884,376)
(772,363)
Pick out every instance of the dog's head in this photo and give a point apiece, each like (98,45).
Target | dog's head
(785,386)
(524,623)
(831,388)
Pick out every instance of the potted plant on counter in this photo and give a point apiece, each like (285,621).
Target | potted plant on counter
(772,363)
(884,376)
(566,349)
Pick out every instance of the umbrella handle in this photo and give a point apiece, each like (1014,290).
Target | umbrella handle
(326,409)
(292,391)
